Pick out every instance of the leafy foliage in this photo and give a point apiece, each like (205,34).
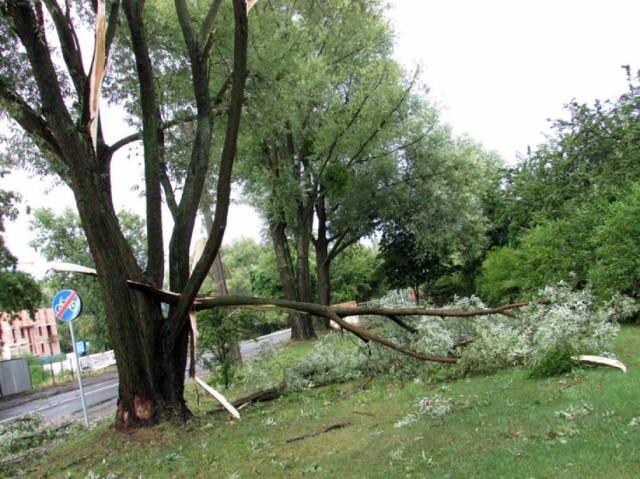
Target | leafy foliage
(18,290)
(354,275)
(437,224)
(541,336)
(239,259)
(616,266)
(555,362)
(264,277)
(24,437)
(60,237)
(219,332)
(329,109)
(570,207)
(331,360)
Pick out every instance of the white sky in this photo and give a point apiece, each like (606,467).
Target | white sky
(497,68)
(501,68)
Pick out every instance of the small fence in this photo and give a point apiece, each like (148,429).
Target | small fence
(93,362)
(14,376)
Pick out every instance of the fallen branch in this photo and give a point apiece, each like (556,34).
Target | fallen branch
(334,314)
(260,396)
(349,392)
(218,397)
(315,310)
(443,313)
(402,324)
(599,360)
(463,342)
(15,459)
(332,427)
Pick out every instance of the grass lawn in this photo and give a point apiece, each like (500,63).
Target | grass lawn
(583,425)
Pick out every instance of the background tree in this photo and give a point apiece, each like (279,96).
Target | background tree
(49,92)
(436,223)
(239,258)
(60,237)
(328,103)
(562,206)
(353,275)
(18,290)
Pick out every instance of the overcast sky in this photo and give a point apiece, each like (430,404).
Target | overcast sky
(501,68)
(498,69)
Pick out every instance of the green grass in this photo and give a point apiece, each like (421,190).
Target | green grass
(504,425)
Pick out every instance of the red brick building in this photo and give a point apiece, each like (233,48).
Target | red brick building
(37,335)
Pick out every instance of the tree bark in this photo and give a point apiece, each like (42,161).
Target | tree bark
(323,261)
(301,327)
(303,273)
(150,368)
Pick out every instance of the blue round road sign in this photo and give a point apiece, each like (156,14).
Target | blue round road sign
(67,305)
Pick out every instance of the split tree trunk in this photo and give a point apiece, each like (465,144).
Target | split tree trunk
(150,362)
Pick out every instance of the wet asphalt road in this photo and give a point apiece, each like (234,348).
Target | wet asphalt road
(63,403)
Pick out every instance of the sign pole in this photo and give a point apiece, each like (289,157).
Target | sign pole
(67,306)
(75,352)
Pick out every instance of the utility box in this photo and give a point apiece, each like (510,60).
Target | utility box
(14,377)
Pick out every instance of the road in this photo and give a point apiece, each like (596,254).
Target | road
(101,393)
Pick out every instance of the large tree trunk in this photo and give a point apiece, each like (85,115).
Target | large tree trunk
(303,273)
(324,280)
(301,326)
(150,362)
(323,262)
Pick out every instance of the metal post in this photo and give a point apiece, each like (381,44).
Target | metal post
(53,375)
(75,351)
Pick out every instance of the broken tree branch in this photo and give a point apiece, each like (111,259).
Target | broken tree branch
(218,397)
(443,313)
(260,396)
(335,313)
(349,392)
(599,360)
(331,427)
(402,324)
(463,342)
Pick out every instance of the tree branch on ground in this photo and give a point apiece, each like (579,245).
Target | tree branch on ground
(345,394)
(331,427)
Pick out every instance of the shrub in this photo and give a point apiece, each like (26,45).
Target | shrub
(618,239)
(555,362)
(219,336)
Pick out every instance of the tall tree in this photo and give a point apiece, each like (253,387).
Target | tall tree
(562,205)
(436,223)
(53,98)
(340,98)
